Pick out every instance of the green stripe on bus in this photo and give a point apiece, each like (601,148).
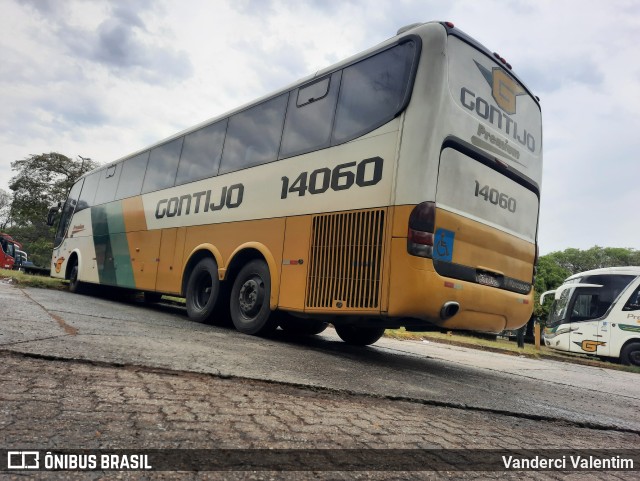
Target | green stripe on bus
(629,327)
(112,247)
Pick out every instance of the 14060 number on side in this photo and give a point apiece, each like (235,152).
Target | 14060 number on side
(343,176)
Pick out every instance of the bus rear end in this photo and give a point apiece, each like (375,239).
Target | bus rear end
(470,233)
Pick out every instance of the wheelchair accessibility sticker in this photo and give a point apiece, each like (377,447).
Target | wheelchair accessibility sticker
(443,245)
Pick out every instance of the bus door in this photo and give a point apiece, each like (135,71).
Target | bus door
(589,332)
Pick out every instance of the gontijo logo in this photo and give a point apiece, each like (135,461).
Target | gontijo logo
(589,346)
(504,89)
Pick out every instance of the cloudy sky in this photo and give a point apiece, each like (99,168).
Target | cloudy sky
(102,79)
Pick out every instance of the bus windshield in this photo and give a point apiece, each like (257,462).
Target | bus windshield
(587,303)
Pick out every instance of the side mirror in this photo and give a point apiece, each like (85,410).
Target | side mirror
(53,212)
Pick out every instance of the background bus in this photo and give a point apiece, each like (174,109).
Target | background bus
(598,313)
(399,187)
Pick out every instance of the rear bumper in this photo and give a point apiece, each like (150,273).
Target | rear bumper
(417,291)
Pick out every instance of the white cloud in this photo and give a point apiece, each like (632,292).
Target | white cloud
(103,79)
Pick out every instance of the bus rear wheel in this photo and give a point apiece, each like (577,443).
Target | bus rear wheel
(249,300)
(359,336)
(630,354)
(202,290)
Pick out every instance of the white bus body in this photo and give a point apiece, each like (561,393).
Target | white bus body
(399,187)
(597,312)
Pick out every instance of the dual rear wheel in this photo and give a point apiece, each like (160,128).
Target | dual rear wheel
(248,300)
(249,304)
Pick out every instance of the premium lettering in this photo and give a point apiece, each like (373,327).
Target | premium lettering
(497,118)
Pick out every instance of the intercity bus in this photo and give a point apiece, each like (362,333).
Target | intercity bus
(399,187)
(597,313)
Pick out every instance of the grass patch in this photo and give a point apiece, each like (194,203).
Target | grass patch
(175,300)
(505,346)
(29,280)
(469,340)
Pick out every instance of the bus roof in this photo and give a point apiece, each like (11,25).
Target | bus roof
(409,31)
(629,270)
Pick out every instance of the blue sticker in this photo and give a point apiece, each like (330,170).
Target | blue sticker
(443,245)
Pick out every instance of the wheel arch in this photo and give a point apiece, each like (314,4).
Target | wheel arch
(199,252)
(631,340)
(74,257)
(248,252)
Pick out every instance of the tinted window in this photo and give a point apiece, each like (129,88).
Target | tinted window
(67,211)
(131,177)
(163,165)
(89,190)
(253,136)
(372,91)
(310,117)
(108,183)
(312,92)
(594,302)
(201,153)
(633,304)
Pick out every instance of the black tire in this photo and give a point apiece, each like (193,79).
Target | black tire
(202,290)
(75,285)
(300,327)
(359,336)
(250,298)
(630,354)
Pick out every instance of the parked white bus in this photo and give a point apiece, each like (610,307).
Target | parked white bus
(597,312)
(399,187)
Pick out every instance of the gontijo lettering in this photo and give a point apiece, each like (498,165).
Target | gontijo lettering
(230,197)
(497,117)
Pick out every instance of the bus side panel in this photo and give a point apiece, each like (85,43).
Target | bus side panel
(228,237)
(169,277)
(293,281)
(144,249)
(79,239)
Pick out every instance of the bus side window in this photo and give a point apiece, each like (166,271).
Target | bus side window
(130,182)
(106,190)
(373,91)
(163,165)
(89,191)
(310,117)
(254,135)
(633,304)
(201,153)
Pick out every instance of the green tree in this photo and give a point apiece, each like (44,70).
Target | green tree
(549,276)
(41,181)
(5,209)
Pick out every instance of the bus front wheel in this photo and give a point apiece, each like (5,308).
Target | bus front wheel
(359,336)
(202,290)
(630,355)
(249,300)
(75,285)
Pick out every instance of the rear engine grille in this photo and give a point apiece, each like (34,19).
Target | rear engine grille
(346,260)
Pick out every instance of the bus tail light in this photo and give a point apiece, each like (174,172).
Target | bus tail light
(421,227)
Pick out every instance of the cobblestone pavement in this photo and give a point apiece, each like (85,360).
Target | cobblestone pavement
(53,404)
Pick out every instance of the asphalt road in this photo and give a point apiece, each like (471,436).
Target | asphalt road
(62,325)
